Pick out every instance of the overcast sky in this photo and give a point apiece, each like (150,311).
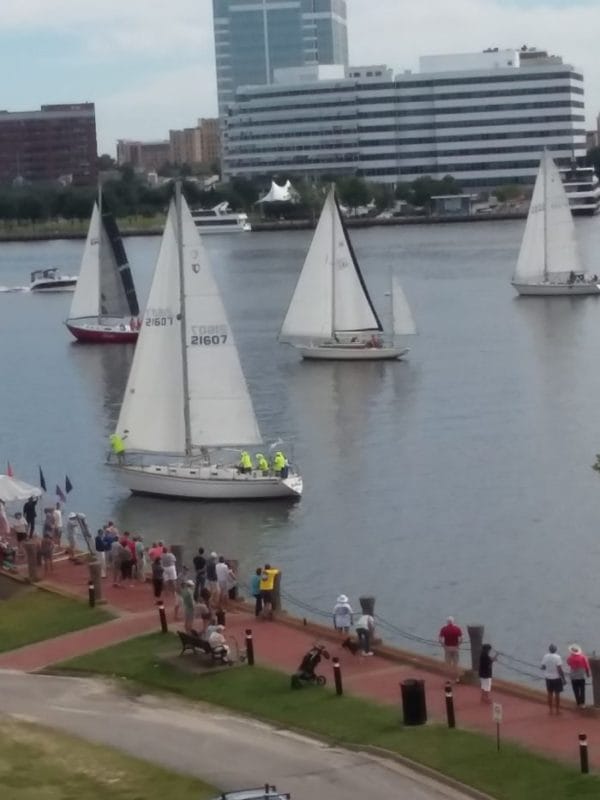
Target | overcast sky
(149,64)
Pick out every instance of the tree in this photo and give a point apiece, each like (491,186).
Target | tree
(504,194)
(404,192)
(106,162)
(353,192)
(31,207)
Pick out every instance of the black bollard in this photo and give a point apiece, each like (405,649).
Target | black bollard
(476,633)
(220,617)
(583,753)
(91,594)
(162,616)
(337,677)
(249,647)
(450,705)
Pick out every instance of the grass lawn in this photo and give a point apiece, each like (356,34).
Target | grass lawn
(39,764)
(37,615)
(512,774)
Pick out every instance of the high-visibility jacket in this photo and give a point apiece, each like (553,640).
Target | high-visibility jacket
(117,444)
(245,460)
(261,463)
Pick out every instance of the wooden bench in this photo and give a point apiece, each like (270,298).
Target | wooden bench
(191,641)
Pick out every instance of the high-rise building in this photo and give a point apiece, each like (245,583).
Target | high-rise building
(482,117)
(185,147)
(54,142)
(149,156)
(255,37)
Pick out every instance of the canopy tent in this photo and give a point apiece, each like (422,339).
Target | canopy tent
(280,194)
(12,489)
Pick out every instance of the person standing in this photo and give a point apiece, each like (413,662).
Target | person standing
(30,513)
(450,638)
(20,530)
(555,677)
(224,576)
(169,563)
(187,604)
(200,569)
(486,659)
(255,592)
(58,524)
(211,577)
(4,523)
(267,589)
(342,614)
(365,629)
(157,578)
(116,553)
(100,545)
(72,525)
(140,559)
(46,550)
(579,669)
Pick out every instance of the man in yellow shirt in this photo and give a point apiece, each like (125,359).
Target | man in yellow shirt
(267,586)
(118,446)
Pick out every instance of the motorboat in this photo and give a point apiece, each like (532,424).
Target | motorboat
(51,280)
(221,219)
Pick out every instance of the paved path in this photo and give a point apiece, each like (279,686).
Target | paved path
(166,732)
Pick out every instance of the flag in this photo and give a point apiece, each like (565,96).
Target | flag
(60,494)
(42,480)
(9,470)
(68,484)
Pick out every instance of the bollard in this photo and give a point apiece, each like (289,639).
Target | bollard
(595,670)
(367,605)
(249,647)
(276,605)
(583,753)
(31,551)
(91,594)
(220,616)
(337,677)
(476,638)
(162,616)
(450,705)
(95,569)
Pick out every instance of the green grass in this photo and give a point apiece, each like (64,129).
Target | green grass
(38,764)
(512,774)
(38,615)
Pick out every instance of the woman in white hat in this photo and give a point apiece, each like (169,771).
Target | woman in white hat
(579,670)
(342,614)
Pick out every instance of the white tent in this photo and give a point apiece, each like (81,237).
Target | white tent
(12,489)
(280,194)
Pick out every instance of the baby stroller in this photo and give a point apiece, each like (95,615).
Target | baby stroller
(305,674)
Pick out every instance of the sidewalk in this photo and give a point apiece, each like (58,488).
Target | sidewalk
(281,646)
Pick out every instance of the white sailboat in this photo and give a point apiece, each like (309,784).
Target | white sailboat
(186,399)
(105,305)
(549,262)
(331,315)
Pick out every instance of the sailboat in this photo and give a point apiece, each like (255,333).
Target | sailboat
(105,306)
(331,315)
(187,402)
(549,262)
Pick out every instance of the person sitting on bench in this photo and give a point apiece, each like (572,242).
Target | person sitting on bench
(218,643)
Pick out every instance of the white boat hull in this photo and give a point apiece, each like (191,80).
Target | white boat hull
(208,482)
(349,353)
(66,284)
(556,289)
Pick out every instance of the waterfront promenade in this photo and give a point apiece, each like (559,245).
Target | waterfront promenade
(282,643)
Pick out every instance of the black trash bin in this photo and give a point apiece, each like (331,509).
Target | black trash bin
(414,707)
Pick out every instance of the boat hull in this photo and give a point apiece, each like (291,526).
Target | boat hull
(556,289)
(47,287)
(94,332)
(352,353)
(207,483)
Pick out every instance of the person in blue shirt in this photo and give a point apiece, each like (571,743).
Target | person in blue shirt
(100,543)
(256,593)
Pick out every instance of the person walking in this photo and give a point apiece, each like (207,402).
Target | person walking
(365,629)
(100,545)
(158,573)
(200,569)
(30,514)
(256,593)
(579,670)
(46,551)
(187,604)
(555,677)
(486,659)
(450,638)
(342,614)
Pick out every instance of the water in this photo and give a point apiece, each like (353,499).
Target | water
(456,482)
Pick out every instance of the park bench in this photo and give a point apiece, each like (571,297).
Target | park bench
(193,642)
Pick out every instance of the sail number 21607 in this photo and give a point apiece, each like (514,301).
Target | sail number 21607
(208,335)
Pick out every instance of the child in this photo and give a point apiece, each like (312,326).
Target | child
(486,659)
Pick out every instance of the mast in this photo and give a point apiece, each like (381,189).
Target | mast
(333,264)
(545,216)
(182,319)
(99,262)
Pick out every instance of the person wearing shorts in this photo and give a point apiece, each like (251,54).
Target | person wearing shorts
(555,678)
(486,659)
(450,638)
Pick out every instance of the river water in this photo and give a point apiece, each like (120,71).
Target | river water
(455,482)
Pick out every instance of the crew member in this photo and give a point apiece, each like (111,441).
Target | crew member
(262,464)
(280,464)
(118,446)
(245,465)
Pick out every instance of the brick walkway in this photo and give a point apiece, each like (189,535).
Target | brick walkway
(282,646)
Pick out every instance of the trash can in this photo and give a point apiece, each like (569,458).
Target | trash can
(414,708)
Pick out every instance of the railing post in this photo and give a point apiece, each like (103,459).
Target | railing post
(450,715)
(162,617)
(337,677)
(249,647)
(583,754)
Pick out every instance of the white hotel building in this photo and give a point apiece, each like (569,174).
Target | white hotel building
(482,117)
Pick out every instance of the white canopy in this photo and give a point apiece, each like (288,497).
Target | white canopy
(12,489)
(280,194)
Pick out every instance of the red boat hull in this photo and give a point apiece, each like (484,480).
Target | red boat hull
(105,336)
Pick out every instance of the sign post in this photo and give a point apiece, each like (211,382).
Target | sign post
(497,717)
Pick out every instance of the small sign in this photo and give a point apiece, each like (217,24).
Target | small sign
(497,712)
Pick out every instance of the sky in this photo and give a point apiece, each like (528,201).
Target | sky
(149,64)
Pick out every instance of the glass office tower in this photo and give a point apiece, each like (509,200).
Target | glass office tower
(255,37)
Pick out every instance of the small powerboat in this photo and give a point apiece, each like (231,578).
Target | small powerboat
(51,280)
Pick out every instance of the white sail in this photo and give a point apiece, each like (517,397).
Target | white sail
(403,322)
(87,290)
(220,408)
(152,413)
(549,245)
(310,315)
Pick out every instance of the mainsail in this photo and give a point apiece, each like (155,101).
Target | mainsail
(85,301)
(549,246)
(185,391)
(403,322)
(331,295)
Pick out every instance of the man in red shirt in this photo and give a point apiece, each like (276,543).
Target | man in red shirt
(450,639)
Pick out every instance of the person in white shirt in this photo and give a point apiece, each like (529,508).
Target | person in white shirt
(342,614)
(365,628)
(225,577)
(555,677)
(58,524)
(218,642)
